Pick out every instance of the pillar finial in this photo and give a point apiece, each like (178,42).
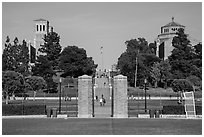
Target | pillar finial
(172,19)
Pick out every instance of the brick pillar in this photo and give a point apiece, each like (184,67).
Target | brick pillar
(120,97)
(84,96)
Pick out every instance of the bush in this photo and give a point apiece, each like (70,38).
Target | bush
(17,109)
(179,110)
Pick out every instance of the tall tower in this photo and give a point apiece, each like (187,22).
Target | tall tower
(164,39)
(41,28)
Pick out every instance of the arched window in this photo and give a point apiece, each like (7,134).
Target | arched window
(37,27)
(40,27)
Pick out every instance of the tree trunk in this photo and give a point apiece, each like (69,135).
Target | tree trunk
(155,84)
(7,97)
(136,72)
(165,85)
(34,94)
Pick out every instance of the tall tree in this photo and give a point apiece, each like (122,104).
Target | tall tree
(51,48)
(182,56)
(48,62)
(74,62)
(16,57)
(43,68)
(135,62)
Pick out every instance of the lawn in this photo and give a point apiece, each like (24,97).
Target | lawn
(94,126)
(156,92)
(153,92)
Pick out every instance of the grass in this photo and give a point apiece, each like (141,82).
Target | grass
(96,126)
(153,92)
(156,92)
(134,106)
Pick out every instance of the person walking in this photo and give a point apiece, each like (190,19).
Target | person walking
(104,101)
(101,101)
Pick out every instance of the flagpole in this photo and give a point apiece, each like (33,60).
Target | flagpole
(102,56)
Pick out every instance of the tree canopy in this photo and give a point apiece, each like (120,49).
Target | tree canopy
(183,60)
(74,62)
(51,48)
(36,83)
(48,62)
(13,82)
(15,56)
(43,68)
(137,48)
(182,85)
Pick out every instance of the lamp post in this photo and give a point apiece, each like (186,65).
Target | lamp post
(145,82)
(112,98)
(93,91)
(60,81)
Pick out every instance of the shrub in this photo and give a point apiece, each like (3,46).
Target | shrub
(17,109)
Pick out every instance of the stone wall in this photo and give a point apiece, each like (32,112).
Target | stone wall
(120,97)
(84,96)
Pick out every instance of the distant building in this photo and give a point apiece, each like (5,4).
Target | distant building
(164,40)
(42,28)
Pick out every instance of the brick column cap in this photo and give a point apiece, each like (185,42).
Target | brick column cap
(120,77)
(85,77)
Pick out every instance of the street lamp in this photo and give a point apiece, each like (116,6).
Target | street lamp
(60,81)
(145,82)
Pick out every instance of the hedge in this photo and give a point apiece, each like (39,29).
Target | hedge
(11,109)
(180,110)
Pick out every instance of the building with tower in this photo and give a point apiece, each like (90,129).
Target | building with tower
(42,27)
(164,39)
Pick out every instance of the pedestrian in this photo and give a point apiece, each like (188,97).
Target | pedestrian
(104,101)
(97,98)
(101,101)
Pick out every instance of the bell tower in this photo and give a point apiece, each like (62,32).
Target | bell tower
(164,39)
(41,28)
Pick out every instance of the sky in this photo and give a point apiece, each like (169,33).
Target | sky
(92,25)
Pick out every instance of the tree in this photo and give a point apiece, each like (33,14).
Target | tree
(197,61)
(23,59)
(36,83)
(166,75)
(74,62)
(51,48)
(161,72)
(12,83)
(182,56)
(48,62)
(181,86)
(43,68)
(16,57)
(155,73)
(195,81)
(136,61)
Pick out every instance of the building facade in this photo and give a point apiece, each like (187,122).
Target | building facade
(164,39)
(42,27)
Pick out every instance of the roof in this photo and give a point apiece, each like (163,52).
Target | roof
(173,24)
(40,20)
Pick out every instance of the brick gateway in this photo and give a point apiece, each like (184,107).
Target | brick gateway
(117,98)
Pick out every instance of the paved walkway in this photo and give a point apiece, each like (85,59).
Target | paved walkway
(65,117)
(73,98)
